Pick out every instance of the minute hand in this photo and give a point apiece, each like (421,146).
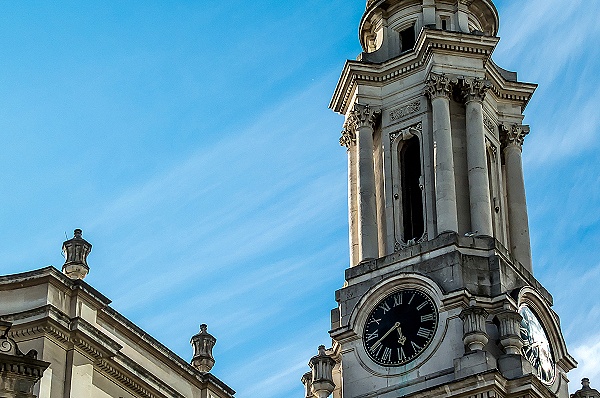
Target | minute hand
(378,342)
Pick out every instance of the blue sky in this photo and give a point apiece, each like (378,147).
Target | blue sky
(192,143)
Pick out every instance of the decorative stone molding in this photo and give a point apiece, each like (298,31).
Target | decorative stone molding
(405,110)
(406,133)
(513,135)
(126,381)
(475,89)
(439,86)
(348,138)
(475,336)
(509,324)
(488,123)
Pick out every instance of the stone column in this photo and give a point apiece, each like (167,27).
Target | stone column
(518,223)
(439,89)
(361,121)
(474,91)
(348,140)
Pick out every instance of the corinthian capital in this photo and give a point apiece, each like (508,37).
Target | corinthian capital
(475,89)
(439,85)
(513,135)
(348,137)
(361,116)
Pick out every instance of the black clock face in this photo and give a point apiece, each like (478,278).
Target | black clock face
(400,327)
(536,346)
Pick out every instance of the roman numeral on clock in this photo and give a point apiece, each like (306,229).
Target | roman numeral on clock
(372,336)
(428,317)
(425,333)
(387,354)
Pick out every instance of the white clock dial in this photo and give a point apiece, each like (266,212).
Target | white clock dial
(536,347)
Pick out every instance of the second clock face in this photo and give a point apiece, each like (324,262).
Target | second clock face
(400,327)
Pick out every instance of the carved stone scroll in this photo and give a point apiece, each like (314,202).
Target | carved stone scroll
(403,111)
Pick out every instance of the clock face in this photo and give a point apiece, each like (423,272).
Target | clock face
(536,347)
(400,327)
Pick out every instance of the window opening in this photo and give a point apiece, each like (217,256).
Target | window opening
(444,24)
(412,199)
(407,39)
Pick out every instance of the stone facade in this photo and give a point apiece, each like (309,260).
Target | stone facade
(437,209)
(90,349)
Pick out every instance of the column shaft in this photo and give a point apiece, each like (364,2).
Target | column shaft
(445,186)
(367,207)
(479,188)
(353,205)
(517,206)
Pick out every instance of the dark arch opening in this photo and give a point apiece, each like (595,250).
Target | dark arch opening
(412,199)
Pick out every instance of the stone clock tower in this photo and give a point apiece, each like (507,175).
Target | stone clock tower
(440,299)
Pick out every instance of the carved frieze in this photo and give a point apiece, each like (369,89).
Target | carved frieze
(406,133)
(439,85)
(488,123)
(513,135)
(474,89)
(405,110)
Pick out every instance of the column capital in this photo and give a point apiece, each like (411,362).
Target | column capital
(361,115)
(474,89)
(348,138)
(439,85)
(513,135)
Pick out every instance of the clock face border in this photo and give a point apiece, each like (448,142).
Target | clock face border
(400,327)
(532,332)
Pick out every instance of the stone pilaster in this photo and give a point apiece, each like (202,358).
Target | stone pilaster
(348,140)
(438,89)
(474,91)
(361,122)
(518,222)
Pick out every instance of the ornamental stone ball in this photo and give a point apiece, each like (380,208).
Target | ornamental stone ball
(75,251)
(203,344)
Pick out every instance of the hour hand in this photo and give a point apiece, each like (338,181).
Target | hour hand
(401,337)
(378,342)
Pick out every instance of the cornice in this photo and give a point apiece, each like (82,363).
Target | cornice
(159,351)
(51,275)
(428,42)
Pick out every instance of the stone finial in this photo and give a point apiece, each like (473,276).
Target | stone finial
(76,251)
(307,381)
(475,336)
(322,374)
(586,391)
(203,344)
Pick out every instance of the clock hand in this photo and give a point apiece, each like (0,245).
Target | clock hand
(401,337)
(378,342)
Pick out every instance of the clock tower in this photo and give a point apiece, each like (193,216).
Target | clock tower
(440,298)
